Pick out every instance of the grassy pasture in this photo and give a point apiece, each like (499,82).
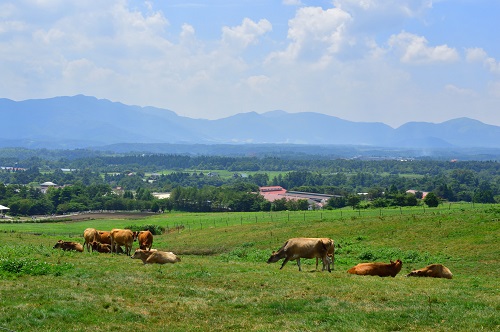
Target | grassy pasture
(223,282)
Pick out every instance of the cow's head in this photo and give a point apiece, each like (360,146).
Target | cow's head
(274,257)
(58,245)
(135,235)
(397,265)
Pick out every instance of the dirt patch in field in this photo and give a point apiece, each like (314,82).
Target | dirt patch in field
(103,215)
(108,215)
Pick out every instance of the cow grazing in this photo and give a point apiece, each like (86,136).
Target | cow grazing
(103,237)
(67,246)
(297,248)
(155,256)
(377,269)
(122,237)
(433,271)
(101,247)
(145,239)
(89,235)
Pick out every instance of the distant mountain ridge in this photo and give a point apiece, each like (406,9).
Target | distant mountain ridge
(83,121)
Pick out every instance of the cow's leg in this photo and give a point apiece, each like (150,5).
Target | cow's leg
(284,262)
(326,262)
(317,260)
(298,263)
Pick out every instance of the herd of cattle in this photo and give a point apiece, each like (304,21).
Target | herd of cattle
(292,250)
(112,242)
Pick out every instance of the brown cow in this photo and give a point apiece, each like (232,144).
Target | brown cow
(145,239)
(155,256)
(122,237)
(67,245)
(297,248)
(377,269)
(433,270)
(101,247)
(89,236)
(103,237)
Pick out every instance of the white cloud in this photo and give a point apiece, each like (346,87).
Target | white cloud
(409,8)
(245,34)
(460,91)
(479,55)
(292,2)
(315,32)
(415,50)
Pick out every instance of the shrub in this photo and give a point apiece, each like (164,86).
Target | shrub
(32,267)
(154,229)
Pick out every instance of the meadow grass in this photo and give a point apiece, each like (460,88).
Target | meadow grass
(223,282)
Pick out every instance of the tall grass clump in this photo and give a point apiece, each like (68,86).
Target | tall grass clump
(154,229)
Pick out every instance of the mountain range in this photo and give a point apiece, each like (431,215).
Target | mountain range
(84,122)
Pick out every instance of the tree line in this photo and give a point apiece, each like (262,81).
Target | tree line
(90,183)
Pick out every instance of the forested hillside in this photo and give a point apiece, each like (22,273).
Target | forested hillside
(221,183)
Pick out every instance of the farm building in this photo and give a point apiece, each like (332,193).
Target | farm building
(46,185)
(277,192)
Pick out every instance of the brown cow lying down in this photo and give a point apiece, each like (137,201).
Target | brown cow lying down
(105,248)
(377,269)
(301,247)
(101,247)
(155,257)
(433,270)
(66,245)
(145,239)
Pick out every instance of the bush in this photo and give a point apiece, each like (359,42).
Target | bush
(32,267)
(154,229)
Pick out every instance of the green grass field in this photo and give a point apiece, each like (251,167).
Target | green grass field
(223,282)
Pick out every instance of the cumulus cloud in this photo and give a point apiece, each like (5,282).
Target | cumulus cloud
(315,31)
(246,34)
(414,49)
(479,55)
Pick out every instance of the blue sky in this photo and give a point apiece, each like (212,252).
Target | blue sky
(391,61)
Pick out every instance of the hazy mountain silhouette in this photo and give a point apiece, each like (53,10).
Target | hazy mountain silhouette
(82,121)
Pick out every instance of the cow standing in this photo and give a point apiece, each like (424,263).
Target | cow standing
(89,235)
(433,271)
(122,237)
(145,239)
(297,248)
(103,237)
(377,269)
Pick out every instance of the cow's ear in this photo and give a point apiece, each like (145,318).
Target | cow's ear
(392,262)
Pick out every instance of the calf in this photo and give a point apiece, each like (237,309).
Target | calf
(67,246)
(122,237)
(433,271)
(101,247)
(377,269)
(297,248)
(89,236)
(155,257)
(145,239)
